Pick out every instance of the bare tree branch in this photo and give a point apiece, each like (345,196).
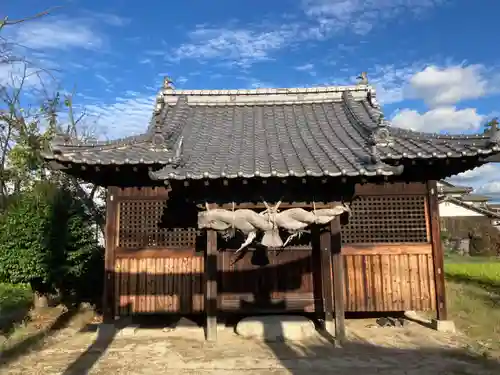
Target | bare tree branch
(7,22)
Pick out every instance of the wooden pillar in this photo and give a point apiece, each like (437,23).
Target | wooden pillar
(108,301)
(332,282)
(338,279)
(437,251)
(211,286)
(326,277)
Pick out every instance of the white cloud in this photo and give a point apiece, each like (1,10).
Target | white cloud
(108,18)
(490,188)
(444,86)
(103,79)
(126,116)
(483,179)
(240,47)
(17,74)
(361,16)
(57,33)
(390,81)
(246,45)
(485,171)
(441,88)
(438,119)
(305,67)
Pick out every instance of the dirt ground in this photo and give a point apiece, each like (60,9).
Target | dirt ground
(370,349)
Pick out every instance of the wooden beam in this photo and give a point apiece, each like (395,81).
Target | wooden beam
(338,279)
(283,205)
(326,277)
(211,286)
(437,251)
(108,302)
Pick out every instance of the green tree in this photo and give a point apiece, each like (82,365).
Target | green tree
(47,218)
(46,240)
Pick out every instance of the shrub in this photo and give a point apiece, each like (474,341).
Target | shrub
(46,240)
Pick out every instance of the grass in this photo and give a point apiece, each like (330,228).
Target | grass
(14,297)
(473,293)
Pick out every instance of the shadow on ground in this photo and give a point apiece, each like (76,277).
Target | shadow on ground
(37,339)
(10,319)
(182,351)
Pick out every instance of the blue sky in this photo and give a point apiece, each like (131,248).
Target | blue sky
(434,63)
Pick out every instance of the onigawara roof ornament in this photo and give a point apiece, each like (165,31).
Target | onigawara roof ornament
(362,78)
(168,83)
(493,131)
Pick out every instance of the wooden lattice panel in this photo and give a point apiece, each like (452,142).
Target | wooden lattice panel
(386,219)
(140,227)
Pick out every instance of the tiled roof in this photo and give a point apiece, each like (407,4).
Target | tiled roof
(474,198)
(324,131)
(486,211)
(445,187)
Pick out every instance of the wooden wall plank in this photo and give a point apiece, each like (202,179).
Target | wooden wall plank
(377,282)
(387,290)
(396,282)
(156,285)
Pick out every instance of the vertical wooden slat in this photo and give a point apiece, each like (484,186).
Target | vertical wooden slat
(352,283)
(160,287)
(185,292)
(133,283)
(150,288)
(387,282)
(118,287)
(416,295)
(432,285)
(405,282)
(437,251)
(378,302)
(358,271)
(124,286)
(347,284)
(109,257)
(368,287)
(174,293)
(196,285)
(396,283)
(421,280)
(142,285)
(211,286)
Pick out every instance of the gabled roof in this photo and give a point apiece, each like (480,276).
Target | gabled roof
(494,206)
(446,187)
(320,131)
(481,210)
(474,198)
